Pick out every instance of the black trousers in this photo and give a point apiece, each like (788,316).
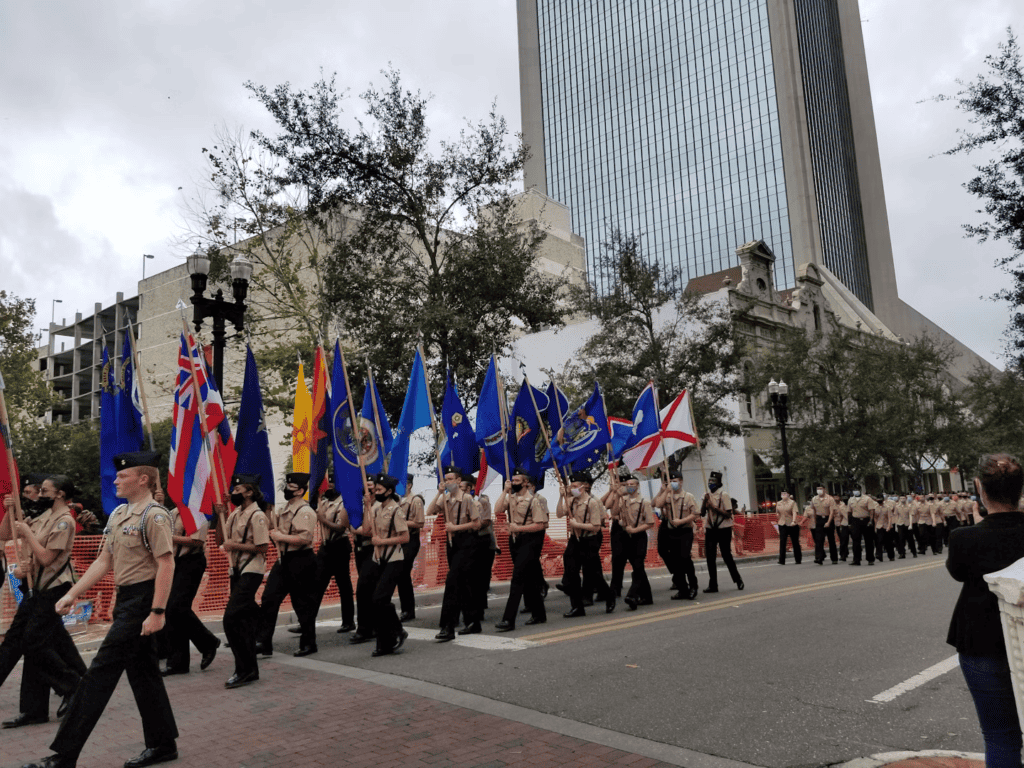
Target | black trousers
(863,532)
(483,564)
(406,594)
(458,584)
(583,555)
(885,542)
(620,556)
(37,633)
(938,534)
(923,533)
(242,621)
(904,538)
(527,576)
(333,561)
(820,533)
(952,523)
(124,649)
(636,552)
(719,539)
(843,531)
(789,533)
(294,575)
(183,626)
(363,551)
(377,615)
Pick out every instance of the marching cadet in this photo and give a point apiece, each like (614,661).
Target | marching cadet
(716,508)
(244,537)
(938,523)
(137,546)
(862,510)
(885,539)
(294,573)
(967,507)
(949,515)
(679,514)
(584,520)
(36,632)
(841,521)
(333,559)
(183,626)
(824,527)
(362,549)
(486,549)
(618,539)
(461,520)
(527,520)
(922,521)
(789,529)
(415,519)
(636,517)
(385,526)
(904,537)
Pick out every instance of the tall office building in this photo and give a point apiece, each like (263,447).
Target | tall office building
(705,124)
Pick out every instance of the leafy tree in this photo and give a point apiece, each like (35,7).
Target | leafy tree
(26,392)
(994,102)
(993,399)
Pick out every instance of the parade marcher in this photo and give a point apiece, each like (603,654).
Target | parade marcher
(333,559)
(183,626)
(244,538)
(527,520)
(362,549)
(862,510)
(824,526)
(618,538)
(885,534)
(716,509)
(385,526)
(921,515)
(679,515)
(841,521)
(137,546)
(36,632)
(636,518)
(415,519)
(938,523)
(584,520)
(949,515)
(295,571)
(486,550)
(461,521)
(789,528)
(904,537)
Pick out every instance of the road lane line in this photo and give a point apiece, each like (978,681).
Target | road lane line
(936,670)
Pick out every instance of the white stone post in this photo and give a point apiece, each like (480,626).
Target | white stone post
(1008,586)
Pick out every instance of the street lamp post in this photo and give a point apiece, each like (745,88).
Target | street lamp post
(144,257)
(53,309)
(221,311)
(778,394)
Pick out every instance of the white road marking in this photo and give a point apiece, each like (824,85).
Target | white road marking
(480,642)
(916,681)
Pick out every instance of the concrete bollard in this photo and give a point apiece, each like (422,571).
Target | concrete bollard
(1008,586)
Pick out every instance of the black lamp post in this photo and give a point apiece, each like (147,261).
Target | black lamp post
(778,394)
(221,311)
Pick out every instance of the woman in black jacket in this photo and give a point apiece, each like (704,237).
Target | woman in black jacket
(975,630)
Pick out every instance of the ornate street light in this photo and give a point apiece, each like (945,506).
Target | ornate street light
(778,395)
(217,308)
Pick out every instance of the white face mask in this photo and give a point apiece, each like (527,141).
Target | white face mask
(674,485)
(576,491)
(821,491)
(630,489)
(785,497)
(451,487)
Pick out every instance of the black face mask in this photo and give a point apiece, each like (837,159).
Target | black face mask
(290,494)
(237,499)
(43,503)
(517,487)
(713,487)
(381,497)
(330,494)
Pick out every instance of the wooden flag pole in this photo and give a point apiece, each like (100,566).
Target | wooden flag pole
(5,428)
(433,416)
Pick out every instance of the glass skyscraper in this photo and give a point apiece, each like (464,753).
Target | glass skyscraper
(699,125)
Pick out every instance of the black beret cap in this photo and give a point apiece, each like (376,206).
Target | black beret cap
(387,481)
(241,479)
(136,459)
(33,478)
(298,478)
(581,477)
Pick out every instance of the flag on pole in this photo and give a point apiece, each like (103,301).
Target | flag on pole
(189,463)
(222,444)
(526,445)
(457,440)
(677,427)
(622,431)
(348,480)
(128,405)
(643,449)
(320,428)
(108,434)
(9,484)
(490,432)
(558,407)
(416,412)
(251,439)
(378,460)
(584,435)
(302,424)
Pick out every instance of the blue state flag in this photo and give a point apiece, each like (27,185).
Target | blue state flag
(490,434)
(456,439)
(526,443)
(638,450)
(251,439)
(558,407)
(584,435)
(108,435)
(622,432)
(128,406)
(348,480)
(416,413)
(378,456)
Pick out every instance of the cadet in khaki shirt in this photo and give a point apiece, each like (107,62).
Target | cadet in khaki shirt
(244,538)
(461,519)
(486,549)
(36,632)
(137,547)
(528,519)
(334,558)
(636,518)
(679,514)
(885,531)
(824,526)
(903,532)
(294,573)
(412,509)
(938,529)
(841,521)
(585,519)
(862,511)
(789,529)
(717,506)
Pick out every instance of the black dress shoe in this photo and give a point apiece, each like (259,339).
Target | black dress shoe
(710,589)
(168,671)
(505,626)
(209,656)
(346,628)
(402,637)
(471,629)
(264,650)
(534,620)
(524,610)
(560,587)
(609,605)
(740,585)
(574,613)
(308,650)
(407,615)
(692,594)
(53,761)
(295,630)
(446,634)
(160,754)
(65,704)
(358,638)
(631,602)
(382,651)
(237,681)
(25,719)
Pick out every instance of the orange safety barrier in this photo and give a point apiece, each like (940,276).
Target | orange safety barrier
(753,535)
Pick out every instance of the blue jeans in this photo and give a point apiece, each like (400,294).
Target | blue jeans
(988,680)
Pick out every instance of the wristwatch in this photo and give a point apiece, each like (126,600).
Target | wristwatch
(157,611)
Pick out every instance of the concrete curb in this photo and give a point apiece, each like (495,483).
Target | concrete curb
(888,758)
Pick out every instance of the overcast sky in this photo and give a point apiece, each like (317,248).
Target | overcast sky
(104,107)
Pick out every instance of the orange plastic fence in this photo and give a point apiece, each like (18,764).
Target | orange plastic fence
(752,535)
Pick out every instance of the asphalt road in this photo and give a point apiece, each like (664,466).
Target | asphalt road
(781,674)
